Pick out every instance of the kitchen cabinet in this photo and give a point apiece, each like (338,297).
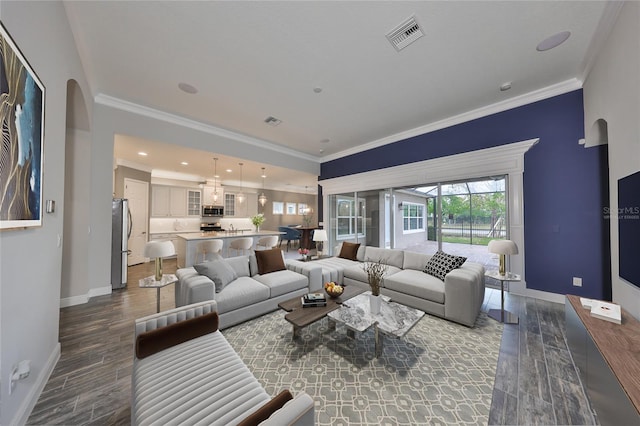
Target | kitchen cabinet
(194,202)
(168,201)
(233,208)
(207,196)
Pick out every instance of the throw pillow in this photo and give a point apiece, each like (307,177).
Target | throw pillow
(154,341)
(219,271)
(349,251)
(269,261)
(442,263)
(263,413)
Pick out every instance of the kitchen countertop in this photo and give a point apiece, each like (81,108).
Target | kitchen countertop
(189,236)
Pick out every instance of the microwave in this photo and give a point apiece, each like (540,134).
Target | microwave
(212,211)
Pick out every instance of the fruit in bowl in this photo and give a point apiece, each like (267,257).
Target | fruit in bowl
(333,290)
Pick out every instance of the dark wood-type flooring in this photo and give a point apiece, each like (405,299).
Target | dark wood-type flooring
(536,382)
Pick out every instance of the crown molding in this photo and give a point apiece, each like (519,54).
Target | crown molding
(527,98)
(156,114)
(499,160)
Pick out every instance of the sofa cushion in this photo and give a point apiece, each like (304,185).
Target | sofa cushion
(267,409)
(415,261)
(386,256)
(219,271)
(442,263)
(282,282)
(242,292)
(157,340)
(240,264)
(357,273)
(269,261)
(418,284)
(349,250)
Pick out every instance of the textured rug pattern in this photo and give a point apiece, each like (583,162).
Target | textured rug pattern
(439,373)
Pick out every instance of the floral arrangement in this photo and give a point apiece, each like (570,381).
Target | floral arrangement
(375,271)
(303,251)
(257,220)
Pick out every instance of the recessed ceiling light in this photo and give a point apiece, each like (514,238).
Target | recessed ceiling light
(553,41)
(317,89)
(228,170)
(187,88)
(506,86)
(142,153)
(184,163)
(216,176)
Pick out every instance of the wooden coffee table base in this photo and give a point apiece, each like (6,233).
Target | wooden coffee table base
(301,317)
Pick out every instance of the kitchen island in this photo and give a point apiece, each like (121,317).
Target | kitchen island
(187,243)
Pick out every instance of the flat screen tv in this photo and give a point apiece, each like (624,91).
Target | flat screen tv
(629,228)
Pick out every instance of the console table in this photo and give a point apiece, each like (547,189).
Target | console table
(608,361)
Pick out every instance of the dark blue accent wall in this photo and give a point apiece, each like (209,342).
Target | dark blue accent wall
(565,187)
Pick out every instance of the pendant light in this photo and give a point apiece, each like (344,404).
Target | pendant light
(215,180)
(240,195)
(262,199)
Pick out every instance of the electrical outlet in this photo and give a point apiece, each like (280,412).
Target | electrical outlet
(577,281)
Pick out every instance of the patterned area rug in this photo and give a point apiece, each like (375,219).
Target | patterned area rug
(440,373)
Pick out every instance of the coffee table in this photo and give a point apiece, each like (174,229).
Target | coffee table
(394,320)
(301,317)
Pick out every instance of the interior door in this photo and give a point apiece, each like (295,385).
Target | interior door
(137,192)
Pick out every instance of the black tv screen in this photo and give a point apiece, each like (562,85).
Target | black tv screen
(629,228)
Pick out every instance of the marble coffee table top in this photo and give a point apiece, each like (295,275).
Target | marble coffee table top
(394,319)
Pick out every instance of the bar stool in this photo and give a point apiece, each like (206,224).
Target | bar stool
(240,244)
(267,242)
(206,248)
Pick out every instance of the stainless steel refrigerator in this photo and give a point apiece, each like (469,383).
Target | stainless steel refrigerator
(120,232)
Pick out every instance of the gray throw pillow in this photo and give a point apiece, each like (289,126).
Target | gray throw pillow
(219,271)
(442,263)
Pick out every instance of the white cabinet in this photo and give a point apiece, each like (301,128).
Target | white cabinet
(194,202)
(207,196)
(234,208)
(168,201)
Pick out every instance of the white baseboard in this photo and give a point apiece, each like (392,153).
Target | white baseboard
(520,289)
(79,300)
(22,415)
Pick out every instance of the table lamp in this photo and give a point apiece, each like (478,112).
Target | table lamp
(502,247)
(319,236)
(157,250)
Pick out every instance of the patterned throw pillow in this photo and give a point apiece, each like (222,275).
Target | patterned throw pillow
(442,263)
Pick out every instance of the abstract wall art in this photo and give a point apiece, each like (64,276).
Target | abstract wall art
(21,151)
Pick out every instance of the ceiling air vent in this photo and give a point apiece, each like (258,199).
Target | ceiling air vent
(272,121)
(405,33)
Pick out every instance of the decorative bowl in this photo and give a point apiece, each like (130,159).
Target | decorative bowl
(333,290)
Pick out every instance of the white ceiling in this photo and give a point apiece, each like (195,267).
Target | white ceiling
(251,60)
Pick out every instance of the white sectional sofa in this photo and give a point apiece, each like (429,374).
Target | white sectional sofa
(186,373)
(457,298)
(249,294)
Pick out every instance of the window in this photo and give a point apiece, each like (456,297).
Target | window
(278,207)
(291,208)
(413,217)
(349,219)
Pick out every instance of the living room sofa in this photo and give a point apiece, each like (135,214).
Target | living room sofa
(458,297)
(249,294)
(185,372)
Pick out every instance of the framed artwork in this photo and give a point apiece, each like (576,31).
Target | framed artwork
(291,208)
(278,207)
(22,120)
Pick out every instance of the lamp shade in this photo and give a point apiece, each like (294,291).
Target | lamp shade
(159,249)
(502,247)
(320,235)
